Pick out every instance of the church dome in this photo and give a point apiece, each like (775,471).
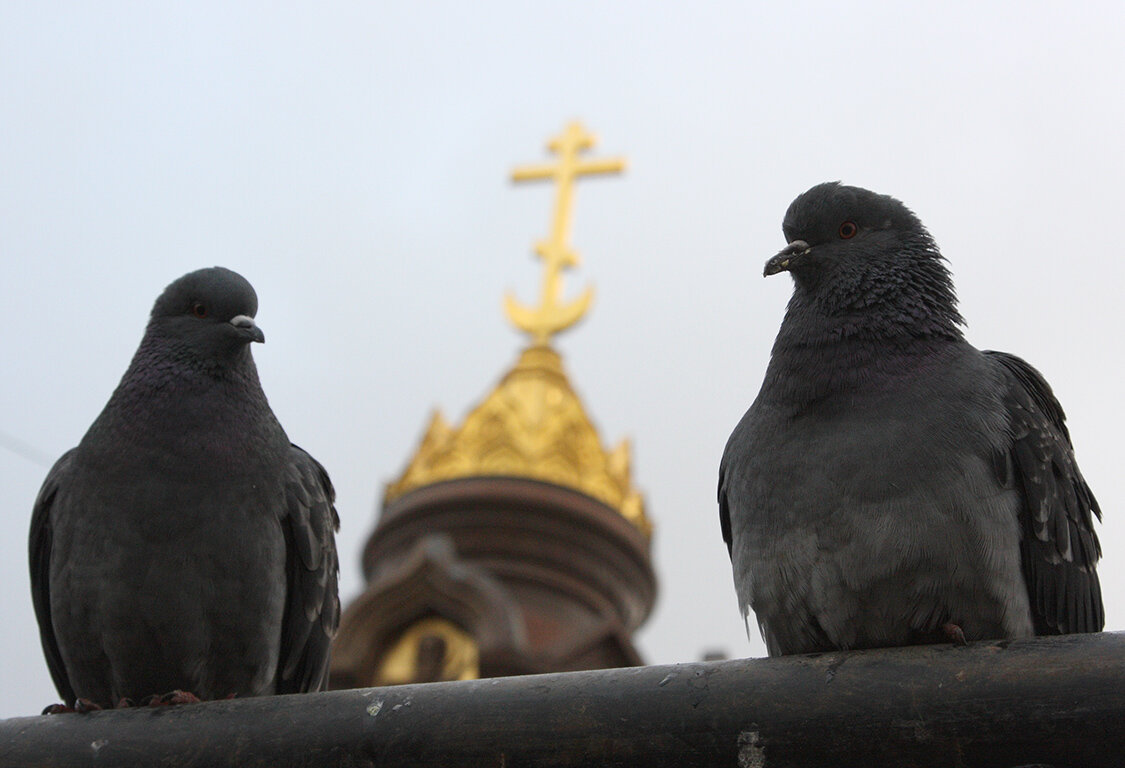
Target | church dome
(515,542)
(531,425)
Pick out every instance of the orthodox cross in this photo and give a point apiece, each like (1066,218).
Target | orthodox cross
(553,315)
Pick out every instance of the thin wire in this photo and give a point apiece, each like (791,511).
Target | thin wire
(25,450)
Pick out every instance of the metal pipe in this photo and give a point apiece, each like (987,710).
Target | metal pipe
(1056,701)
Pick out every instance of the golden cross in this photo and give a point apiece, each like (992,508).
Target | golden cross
(552,316)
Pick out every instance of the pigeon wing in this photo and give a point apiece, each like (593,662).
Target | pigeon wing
(724,510)
(1059,548)
(312,568)
(39,558)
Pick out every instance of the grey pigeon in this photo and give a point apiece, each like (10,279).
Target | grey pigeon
(891,484)
(185,545)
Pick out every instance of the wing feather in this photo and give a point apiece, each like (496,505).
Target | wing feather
(724,510)
(1059,548)
(39,560)
(312,570)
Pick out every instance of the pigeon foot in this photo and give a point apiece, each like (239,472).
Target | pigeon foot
(954,633)
(171,698)
(57,709)
(81,707)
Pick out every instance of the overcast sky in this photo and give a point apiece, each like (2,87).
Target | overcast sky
(351,160)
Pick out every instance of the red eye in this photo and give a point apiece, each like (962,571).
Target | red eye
(198,309)
(848,230)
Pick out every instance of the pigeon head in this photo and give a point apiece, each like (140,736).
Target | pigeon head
(867,260)
(209,312)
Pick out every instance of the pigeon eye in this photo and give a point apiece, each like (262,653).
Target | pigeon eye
(198,309)
(848,230)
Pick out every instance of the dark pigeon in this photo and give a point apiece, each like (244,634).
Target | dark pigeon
(891,484)
(185,545)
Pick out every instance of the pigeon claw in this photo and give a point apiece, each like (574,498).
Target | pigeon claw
(57,709)
(171,698)
(954,633)
(85,706)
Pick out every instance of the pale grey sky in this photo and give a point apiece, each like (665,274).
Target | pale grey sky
(351,160)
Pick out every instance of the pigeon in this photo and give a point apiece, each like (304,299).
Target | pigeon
(186,549)
(891,484)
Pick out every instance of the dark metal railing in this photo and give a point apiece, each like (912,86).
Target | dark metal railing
(1048,701)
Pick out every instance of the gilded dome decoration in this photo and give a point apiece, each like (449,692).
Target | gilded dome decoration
(431,649)
(531,425)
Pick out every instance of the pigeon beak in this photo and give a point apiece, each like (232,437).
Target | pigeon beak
(246,325)
(782,262)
